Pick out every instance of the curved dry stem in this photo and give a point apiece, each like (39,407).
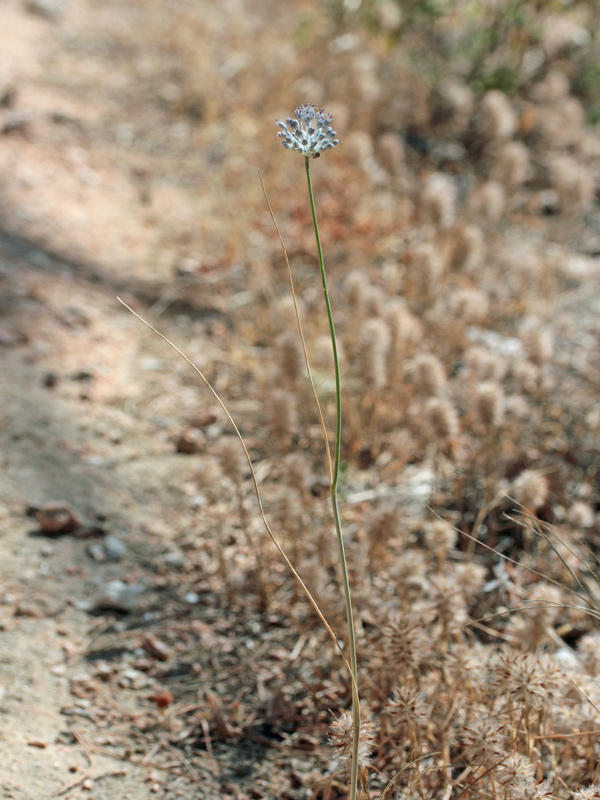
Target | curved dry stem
(300,330)
(509,559)
(280,549)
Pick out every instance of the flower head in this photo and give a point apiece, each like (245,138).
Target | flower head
(310,133)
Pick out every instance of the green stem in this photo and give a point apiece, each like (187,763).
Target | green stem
(334,504)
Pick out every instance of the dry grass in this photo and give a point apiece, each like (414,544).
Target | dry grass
(461,228)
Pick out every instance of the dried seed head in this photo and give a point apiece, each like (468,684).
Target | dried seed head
(484,741)
(409,570)
(471,577)
(406,644)
(581,515)
(555,86)
(448,601)
(457,101)
(498,119)
(488,404)
(341,734)
(533,625)
(290,359)
(530,489)
(529,789)
(469,248)
(489,201)
(589,652)
(390,153)
(310,133)
(373,301)
(428,375)
(515,767)
(527,375)
(484,365)
(402,323)
(374,344)
(439,535)
(469,305)
(426,269)
(231,458)
(513,167)
(407,709)
(438,200)
(537,344)
(589,793)
(528,681)
(573,183)
(441,420)
(356,286)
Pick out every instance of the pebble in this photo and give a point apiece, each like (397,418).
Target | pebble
(119,596)
(114,548)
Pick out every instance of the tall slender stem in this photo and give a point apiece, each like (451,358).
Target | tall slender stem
(334,504)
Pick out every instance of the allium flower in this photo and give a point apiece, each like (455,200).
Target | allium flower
(310,133)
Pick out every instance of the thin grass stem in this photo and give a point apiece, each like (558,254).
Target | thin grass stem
(274,539)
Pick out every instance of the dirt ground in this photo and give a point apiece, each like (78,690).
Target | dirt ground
(128,663)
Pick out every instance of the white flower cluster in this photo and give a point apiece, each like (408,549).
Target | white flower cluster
(310,133)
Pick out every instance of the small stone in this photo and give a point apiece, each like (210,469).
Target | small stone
(96,552)
(55,518)
(50,380)
(114,548)
(175,559)
(49,9)
(189,441)
(156,647)
(119,596)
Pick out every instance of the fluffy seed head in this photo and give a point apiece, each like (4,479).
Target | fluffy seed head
(231,459)
(469,248)
(310,133)
(513,166)
(428,375)
(439,535)
(526,680)
(438,200)
(408,709)
(515,767)
(290,359)
(374,345)
(573,184)
(441,419)
(530,489)
(484,741)
(537,344)
(471,306)
(581,515)
(406,644)
(489,404)
(489,201)
(498,118)
(340,738)
(529,789)
(589,793)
